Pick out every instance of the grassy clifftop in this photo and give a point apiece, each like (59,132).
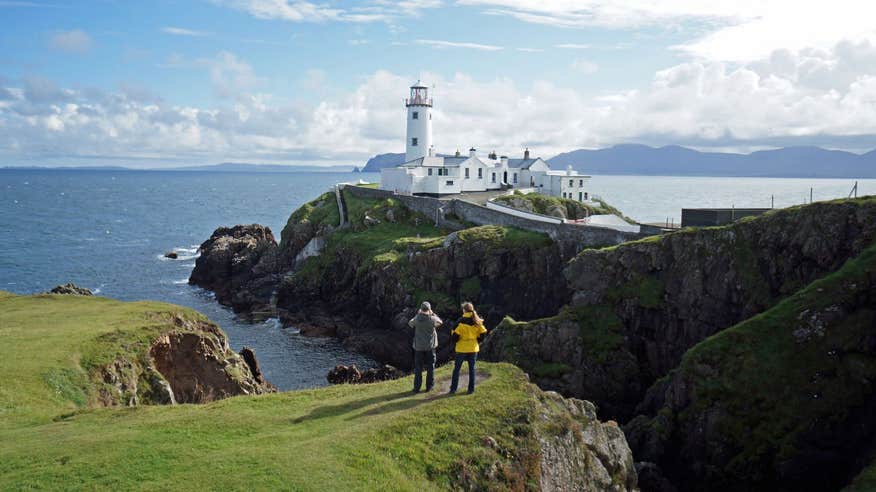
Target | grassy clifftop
(370,437)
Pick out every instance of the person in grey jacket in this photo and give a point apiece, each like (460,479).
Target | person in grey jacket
(425,343)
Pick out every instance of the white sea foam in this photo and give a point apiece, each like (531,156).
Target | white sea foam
(181,282)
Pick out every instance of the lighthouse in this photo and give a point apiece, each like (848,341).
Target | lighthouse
(419,137)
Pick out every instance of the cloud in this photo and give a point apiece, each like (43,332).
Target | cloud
(825,97)
(179,31)
(739,31)
(453,44)
(73,42)
(530,50)
(304,11)
(584,66)
(572,46)
(230,75)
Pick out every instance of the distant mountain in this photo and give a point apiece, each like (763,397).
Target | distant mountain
(672,160)
(380,161)
(236,167)
(68,168)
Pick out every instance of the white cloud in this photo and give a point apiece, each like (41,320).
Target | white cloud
(816,96)
(572,46)
(584,66)
(74,42)
(229,74)
(454,44)
(530,50)
(739,31)
(179,31)
(304,11)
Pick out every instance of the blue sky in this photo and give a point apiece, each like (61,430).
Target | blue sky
(287,81)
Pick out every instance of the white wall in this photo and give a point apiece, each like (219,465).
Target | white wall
(521,213)
(421,129)
(396,179)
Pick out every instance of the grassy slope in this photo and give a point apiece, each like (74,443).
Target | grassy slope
(374,437)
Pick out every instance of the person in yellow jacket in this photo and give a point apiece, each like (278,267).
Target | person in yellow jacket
(468,329)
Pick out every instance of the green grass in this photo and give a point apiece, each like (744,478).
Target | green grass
(360,437)
(505,237)
(544,204)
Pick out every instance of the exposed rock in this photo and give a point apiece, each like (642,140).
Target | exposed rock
(70,289)
(638,307)
(255,369)
(191,363)
(370,221)
(200,366)
(240,265)
(761,406)
(171,255)
(581,453)
(342,374)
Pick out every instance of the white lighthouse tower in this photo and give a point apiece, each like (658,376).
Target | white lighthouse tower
(419,139)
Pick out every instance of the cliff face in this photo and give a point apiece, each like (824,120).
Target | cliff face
(188,362)
(239,264)
(782,401)
(369,298)
(636,308)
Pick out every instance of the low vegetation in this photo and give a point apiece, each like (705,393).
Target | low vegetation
(559,207)
(362,437)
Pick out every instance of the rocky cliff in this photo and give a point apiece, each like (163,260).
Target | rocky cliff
(188,361)
(781,401)
(239,264)
(362,282)
(636,308)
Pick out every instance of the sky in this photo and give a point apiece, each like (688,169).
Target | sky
(173,83)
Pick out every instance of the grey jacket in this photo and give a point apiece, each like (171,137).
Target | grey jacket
(425,336)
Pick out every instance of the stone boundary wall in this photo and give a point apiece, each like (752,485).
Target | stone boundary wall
(572,238)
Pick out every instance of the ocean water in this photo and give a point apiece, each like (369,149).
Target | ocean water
(109,230)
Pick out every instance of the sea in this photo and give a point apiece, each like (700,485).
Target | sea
(108,231)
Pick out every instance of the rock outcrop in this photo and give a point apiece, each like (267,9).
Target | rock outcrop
(189,363)
(240,265)
(781,401)
(636,308)
(342,374)
(70,289)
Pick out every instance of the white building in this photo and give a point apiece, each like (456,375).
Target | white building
(426,173)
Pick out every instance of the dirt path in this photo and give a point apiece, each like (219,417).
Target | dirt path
(442,386)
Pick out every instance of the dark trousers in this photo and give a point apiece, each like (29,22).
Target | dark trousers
(427,358)
(457,365)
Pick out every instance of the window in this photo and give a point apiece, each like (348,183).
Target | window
(414,142)
(571,183)
(494,177)
(466,173)
(416,115)
(580,183)
(515,178)
(564,194)
(480,173)
(448,183)
(430,171)
(585,196)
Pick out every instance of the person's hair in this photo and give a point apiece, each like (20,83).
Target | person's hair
(469,308)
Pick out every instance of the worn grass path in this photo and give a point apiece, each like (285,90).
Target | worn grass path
(363,437)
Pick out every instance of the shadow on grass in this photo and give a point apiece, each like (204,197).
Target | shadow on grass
(336,410)
(399,406)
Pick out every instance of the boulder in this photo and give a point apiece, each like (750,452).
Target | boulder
(342,374)
(70,289)
(171,255)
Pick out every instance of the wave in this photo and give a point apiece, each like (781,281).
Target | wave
(181,282)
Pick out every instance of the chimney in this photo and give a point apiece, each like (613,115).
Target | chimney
(472,152)
(504,160)
(569,171)
(526,153)
(492,155)
(457,152)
